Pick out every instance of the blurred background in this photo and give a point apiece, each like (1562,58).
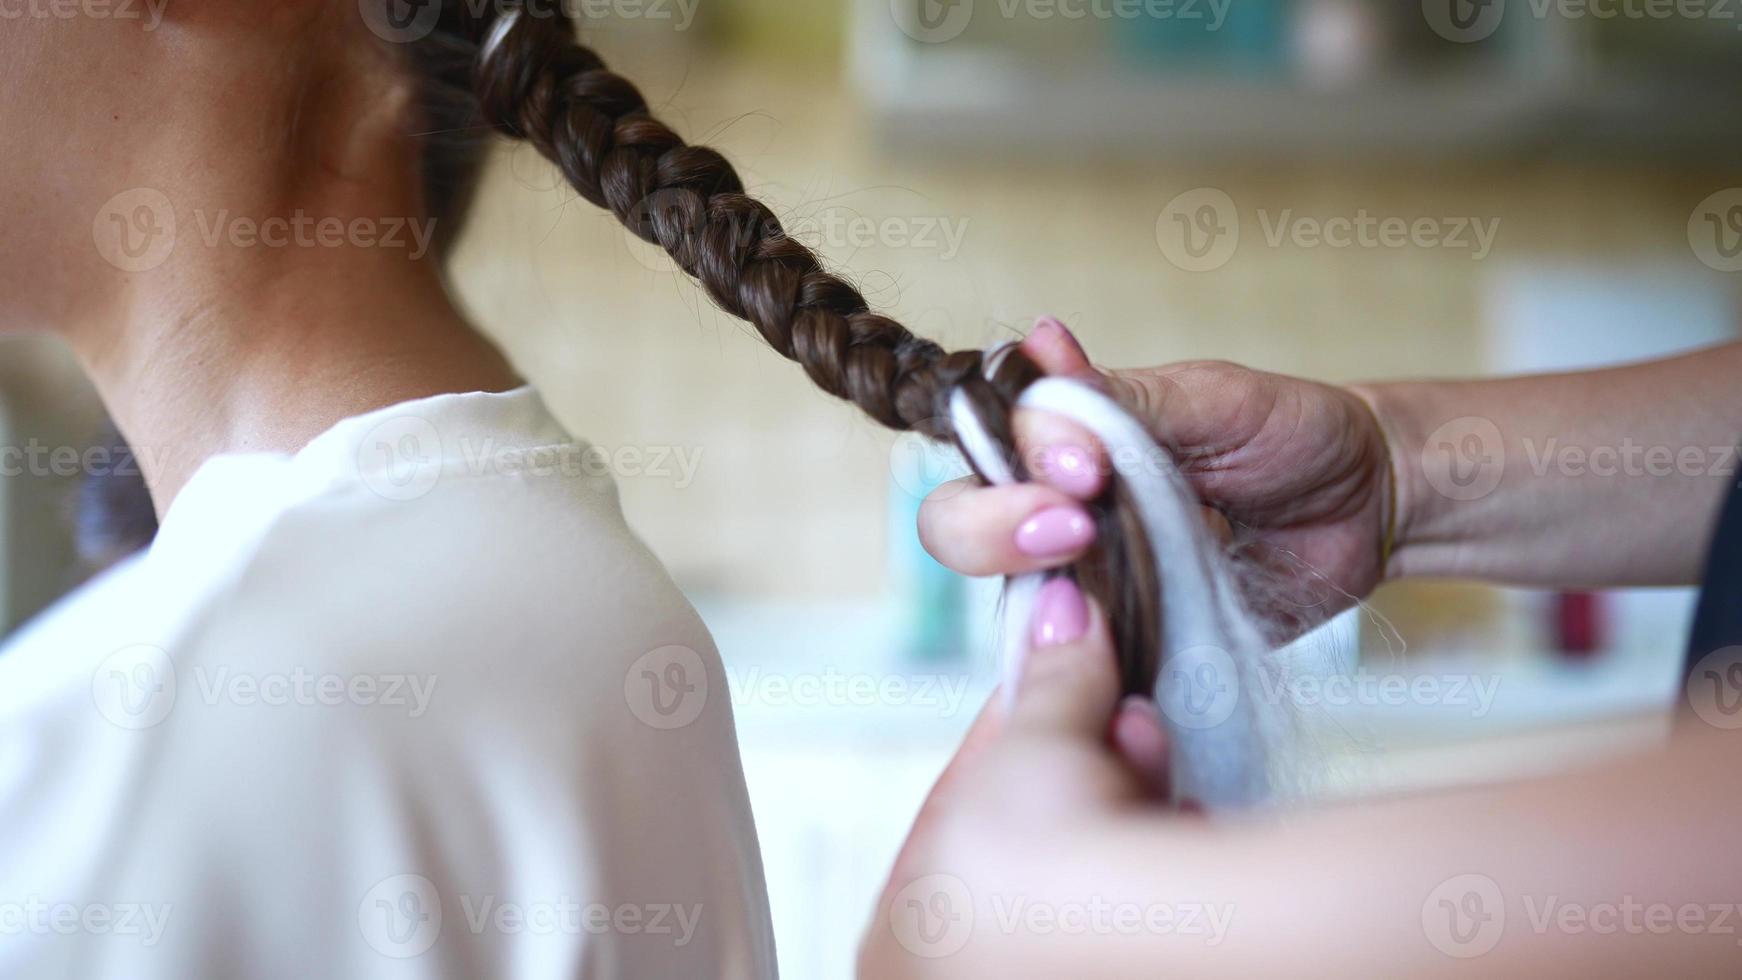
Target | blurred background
(1186,179)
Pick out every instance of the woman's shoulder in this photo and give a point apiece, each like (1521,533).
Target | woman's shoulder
(486,574)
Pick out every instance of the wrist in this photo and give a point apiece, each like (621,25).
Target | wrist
(1396,495)
(1446,469)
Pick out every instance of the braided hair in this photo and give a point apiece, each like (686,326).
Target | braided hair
(518,69)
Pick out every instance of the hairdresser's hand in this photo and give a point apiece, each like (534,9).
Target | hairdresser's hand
(1068,762)
(1295,467)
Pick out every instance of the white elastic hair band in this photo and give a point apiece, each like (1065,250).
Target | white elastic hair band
(1210,647)
(1020,590)
(498,31)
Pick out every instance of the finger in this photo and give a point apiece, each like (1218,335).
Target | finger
(1070,684)
(1061,454)
(1052,346)
(1140,738)
(1056,450)
(1065,455)
(1006,530)
(1198,406)
(981,734)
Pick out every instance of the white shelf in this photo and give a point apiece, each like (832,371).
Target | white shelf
(1546,91)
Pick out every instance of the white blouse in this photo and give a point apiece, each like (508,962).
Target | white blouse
(413,702)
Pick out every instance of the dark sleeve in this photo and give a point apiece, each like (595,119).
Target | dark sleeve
(1718,617)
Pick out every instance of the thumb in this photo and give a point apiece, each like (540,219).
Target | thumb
(1058,451)
(1070,681)
(1053,347)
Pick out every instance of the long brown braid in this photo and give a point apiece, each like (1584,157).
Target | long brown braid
(531,79)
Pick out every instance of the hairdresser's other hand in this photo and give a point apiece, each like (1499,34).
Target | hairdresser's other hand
(1296,467)
(1068,761)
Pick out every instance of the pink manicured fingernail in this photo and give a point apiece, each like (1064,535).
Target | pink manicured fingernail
(1071,469)
(1061,615)
(1055,531)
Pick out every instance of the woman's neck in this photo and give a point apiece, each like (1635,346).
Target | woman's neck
(295,280)
(249,349)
